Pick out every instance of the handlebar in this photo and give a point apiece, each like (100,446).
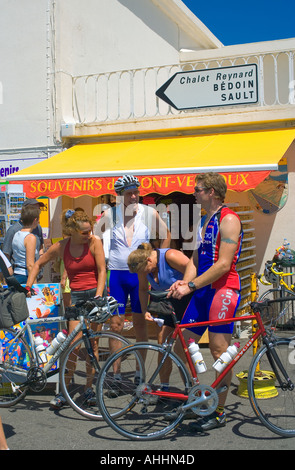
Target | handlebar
(278,273)
(96,310)
(12,282)
(271,275)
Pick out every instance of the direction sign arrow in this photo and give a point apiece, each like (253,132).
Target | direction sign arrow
(220,86)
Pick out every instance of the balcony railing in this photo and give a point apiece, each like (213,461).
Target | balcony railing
(130,94)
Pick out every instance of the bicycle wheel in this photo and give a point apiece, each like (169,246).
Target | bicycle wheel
(132,411)
(280,313)
(77,375)
(270,294)
(15,360)
(272,403)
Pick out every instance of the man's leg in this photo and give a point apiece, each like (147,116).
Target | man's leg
(219,340)
(218,343)
(140,328)
(117,321)
(139,322)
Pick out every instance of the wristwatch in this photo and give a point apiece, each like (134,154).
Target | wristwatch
(192,286)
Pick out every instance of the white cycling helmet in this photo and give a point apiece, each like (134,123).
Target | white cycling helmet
(126,182)
(99,310)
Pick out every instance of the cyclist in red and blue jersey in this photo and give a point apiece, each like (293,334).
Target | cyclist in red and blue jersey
(211,274)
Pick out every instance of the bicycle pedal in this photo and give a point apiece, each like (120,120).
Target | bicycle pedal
(222,389)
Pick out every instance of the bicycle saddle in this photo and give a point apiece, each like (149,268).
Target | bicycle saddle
(160,304)
(158,294)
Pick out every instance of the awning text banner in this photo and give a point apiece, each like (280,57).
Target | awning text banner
(160,184)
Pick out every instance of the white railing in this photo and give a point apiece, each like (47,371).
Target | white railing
(130,94)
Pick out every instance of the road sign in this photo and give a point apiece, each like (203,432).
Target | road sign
(223,86)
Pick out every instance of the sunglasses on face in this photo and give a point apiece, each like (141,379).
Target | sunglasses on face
(199,190)
(84,232)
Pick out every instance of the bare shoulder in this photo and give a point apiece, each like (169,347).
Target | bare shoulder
(176,259)
(230,228)
(175,255)
(95,243)
(230,219)
(58,247)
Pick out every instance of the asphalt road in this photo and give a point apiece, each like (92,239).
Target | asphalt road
(31,425)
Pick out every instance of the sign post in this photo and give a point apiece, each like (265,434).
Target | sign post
(223,86)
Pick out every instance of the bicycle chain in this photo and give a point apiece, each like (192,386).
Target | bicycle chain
(36,379)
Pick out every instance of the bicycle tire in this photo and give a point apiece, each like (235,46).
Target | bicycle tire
(276,292)
(134,413)
(274,406)
(15,361)
(79,392)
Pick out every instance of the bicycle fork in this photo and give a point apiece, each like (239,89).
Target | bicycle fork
(89,349)
(278,367)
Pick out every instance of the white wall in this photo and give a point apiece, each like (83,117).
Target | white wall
(23,114)
(109,35)
(44,42)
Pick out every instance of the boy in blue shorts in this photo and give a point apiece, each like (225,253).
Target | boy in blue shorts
(127,225)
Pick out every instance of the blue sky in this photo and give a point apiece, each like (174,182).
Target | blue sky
(239,22)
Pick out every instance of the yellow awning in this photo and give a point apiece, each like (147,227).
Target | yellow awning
(223,153)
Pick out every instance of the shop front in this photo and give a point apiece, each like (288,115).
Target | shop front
(163,165)
(166,168)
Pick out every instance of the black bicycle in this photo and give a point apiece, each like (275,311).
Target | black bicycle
(22,368)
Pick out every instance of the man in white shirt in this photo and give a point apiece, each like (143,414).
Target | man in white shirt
(124,228)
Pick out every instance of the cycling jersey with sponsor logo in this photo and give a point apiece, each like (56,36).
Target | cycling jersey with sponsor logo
(208,250)
(220,300)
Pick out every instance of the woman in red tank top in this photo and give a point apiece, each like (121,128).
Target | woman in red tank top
(83,257)
(84,262)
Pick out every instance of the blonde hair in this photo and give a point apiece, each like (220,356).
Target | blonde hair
(137,260)
(215,181)
(71,219)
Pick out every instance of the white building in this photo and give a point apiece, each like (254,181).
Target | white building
(76,72)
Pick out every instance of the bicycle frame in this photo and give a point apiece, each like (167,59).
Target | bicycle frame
(178,333)
(46,368)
